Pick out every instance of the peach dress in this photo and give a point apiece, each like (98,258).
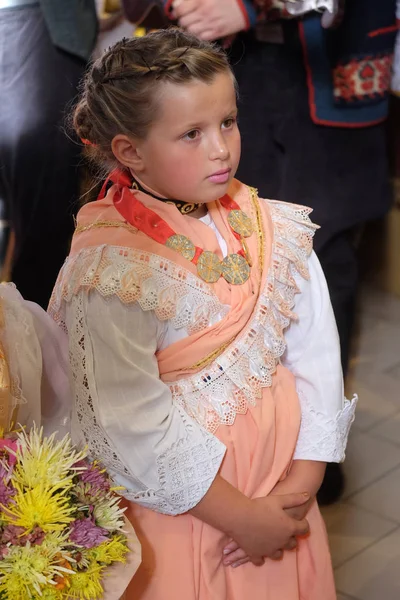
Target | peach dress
(227,376)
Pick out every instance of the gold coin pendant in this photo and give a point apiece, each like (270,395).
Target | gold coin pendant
(235,269)
(240,223)
(209,266)
(182,244)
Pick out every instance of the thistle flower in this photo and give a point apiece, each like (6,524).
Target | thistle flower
(85,533)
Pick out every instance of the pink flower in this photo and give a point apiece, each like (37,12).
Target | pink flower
(6,492)
(94,478)
(5,446)
(14,535)
(36,536)
(85,533)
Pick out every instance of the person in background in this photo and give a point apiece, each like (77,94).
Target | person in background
(317,94)
(45,47)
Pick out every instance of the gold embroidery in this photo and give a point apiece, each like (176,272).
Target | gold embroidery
(204,362)
(260,228)
(211,357)
(185,208)
(98,224)
(246,251)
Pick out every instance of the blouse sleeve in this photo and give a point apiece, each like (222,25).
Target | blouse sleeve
(313,356)
(163,459)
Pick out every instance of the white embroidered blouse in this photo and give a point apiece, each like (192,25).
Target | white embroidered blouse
(152,438)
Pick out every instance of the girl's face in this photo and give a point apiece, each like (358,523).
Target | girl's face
(192,150)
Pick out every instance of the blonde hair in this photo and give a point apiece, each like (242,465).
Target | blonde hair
(119,91)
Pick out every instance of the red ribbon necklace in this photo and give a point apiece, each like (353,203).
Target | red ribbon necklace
(235,268)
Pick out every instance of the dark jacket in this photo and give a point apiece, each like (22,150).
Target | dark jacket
(349,67)
(72,25)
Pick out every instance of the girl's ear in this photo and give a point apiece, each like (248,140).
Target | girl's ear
(127,151)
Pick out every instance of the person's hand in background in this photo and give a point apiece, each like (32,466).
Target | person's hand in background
(209,20)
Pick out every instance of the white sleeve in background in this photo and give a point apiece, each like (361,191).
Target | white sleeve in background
(164,459)
(313,356)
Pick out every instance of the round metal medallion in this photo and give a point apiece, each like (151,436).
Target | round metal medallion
(209,266)
(182,244)
(240,222)
(235,269)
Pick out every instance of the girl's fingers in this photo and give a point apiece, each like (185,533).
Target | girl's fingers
(239,563)
(231,547)
(234,557)
(292,544)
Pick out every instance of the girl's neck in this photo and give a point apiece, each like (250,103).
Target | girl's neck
(200,212)
(196,214)
(147,188)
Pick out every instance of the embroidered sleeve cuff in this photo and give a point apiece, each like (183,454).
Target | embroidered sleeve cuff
(249,12)
(321,437)
(185,472)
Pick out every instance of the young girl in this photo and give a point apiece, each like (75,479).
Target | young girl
(206,388)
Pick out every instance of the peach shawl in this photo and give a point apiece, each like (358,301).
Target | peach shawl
(228,377)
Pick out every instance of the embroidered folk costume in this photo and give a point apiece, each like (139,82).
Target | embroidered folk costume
(180,373)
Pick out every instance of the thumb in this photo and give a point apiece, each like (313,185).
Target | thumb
(293,500)
(301,528)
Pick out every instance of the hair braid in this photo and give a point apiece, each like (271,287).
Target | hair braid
(119,92)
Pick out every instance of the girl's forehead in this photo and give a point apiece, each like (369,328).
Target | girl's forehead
(184,99)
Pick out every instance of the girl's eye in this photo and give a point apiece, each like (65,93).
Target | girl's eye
(228,123)
(192,135)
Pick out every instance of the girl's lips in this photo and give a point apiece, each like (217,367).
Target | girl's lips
(220,176)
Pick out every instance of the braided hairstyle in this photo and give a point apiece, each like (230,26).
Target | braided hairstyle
(120,90)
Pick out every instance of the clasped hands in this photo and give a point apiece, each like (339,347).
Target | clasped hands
(286,522)
(284,517)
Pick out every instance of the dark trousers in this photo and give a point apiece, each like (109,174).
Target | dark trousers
(39,164)
(341,173)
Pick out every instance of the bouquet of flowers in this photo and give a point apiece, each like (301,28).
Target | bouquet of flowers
(61,525)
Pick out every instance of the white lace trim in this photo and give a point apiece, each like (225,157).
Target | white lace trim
(216,394)
(185,471)
(321,437)
(155,283)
